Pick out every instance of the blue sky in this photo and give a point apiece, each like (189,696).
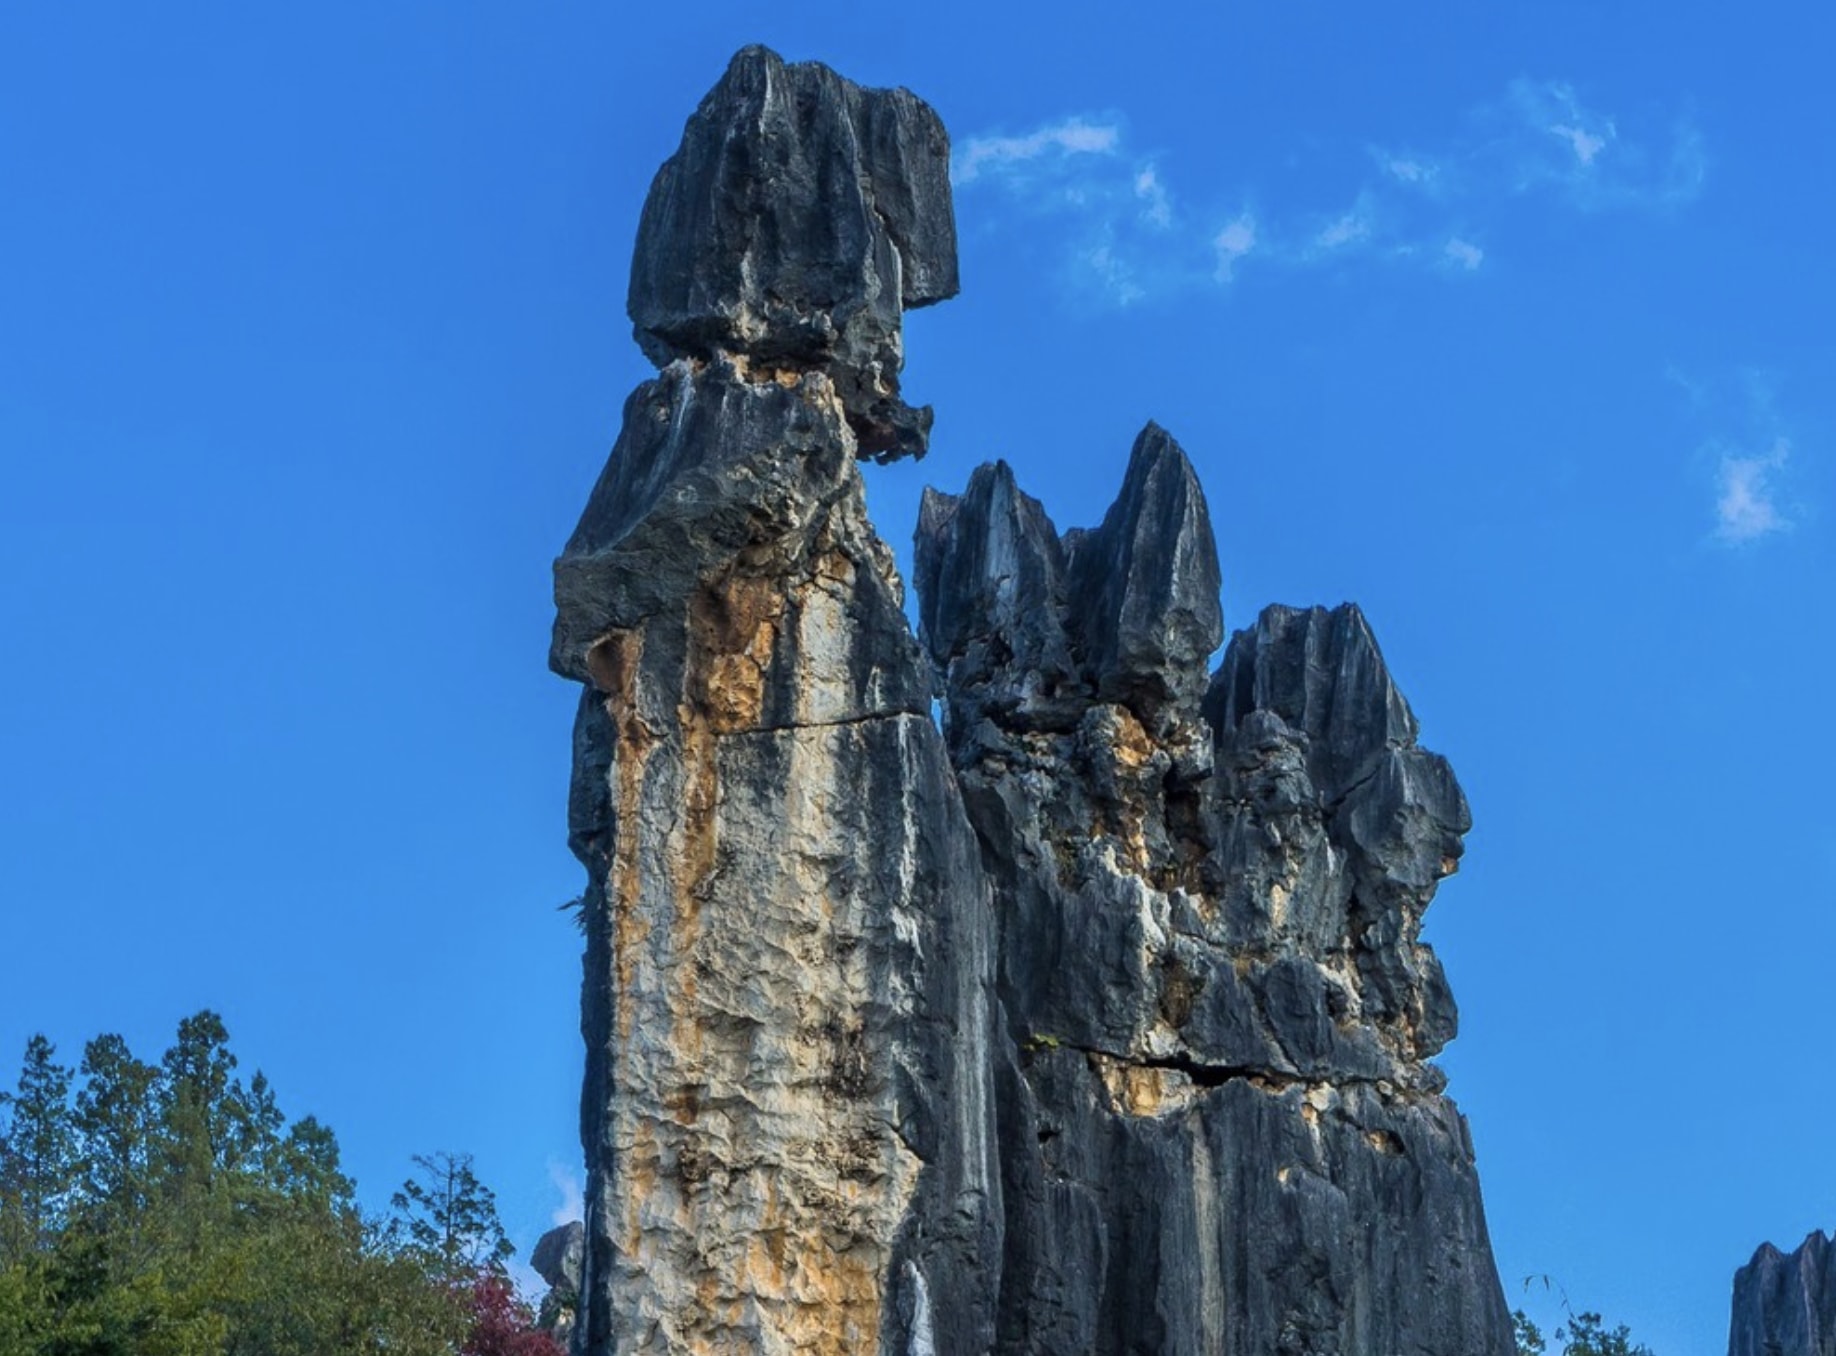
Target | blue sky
(1512,323)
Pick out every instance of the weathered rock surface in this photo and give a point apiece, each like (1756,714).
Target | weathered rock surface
(1785,1303)
(788,1113)
(559,1258)
(800,218)
(1218,1129)
(1096,1022)
(789,1108)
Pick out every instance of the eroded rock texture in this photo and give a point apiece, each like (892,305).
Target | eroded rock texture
(788,1110)
(799,220)
(788,1113)
(1095,1023)
(558,1259)
(1219,1132)
(1785,1303)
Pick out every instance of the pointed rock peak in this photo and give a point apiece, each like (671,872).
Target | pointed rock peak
(988,564)
(1322,673)
(935,510)
(1144,585)
(1785,1302)
(799,217)
(1154,445)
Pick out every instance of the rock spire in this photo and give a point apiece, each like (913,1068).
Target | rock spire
(1785,1303)
(1096,1020)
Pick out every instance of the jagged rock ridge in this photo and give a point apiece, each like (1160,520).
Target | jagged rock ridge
(1218,1128)
(1096,1021)
(1785,1303)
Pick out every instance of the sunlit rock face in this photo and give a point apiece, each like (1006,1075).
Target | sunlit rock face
(789,1107)
(1785,1303)
(1094,1022)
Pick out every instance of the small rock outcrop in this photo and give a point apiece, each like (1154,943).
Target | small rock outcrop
(1785,1303)
(558,1258)
(1096,1020)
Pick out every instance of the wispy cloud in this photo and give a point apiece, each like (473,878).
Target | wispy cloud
(1121,233)
(1418,170)
(1747,507)
(573,1196)
(1157,206)
(1232,243)
(1550,139)
(1549,107)
(1748,453)
(1112,274)
(1348,228)
(1126,233)
(1462,254)
(994,155)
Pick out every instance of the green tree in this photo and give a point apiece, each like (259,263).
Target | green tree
(179,1213)
(1530,1340)
(1583,1334)
(115,1119)
(308,1165)
(37,1153)
(1587,1335)
(203,1111)
(447,1215)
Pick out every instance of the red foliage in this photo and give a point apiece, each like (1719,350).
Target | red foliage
(502,1325)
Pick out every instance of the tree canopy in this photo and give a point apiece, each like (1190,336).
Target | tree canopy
(172,1209)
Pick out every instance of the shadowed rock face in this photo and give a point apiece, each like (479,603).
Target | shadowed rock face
(800,218)
(1218,1131)
(1785,1303)
(1095,1022)
(558,1257)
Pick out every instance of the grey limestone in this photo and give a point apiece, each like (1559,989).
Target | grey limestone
(1094,1018)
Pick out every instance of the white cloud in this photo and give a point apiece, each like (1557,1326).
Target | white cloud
(1550,107)
(1546,138)
(1585,144)
(1113,275)
(1348,229)
(1463,254)
(995,154)
(1748,452)
(1157,205)
(1237,239)
(1121,231)
(1408,169)
(1746,507)
(573,1197)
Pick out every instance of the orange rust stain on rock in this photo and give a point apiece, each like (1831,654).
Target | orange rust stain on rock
(809,1272)
(733,626)
(733,633)
(837,567)
(1133,746)
(613,661)
(697,852)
